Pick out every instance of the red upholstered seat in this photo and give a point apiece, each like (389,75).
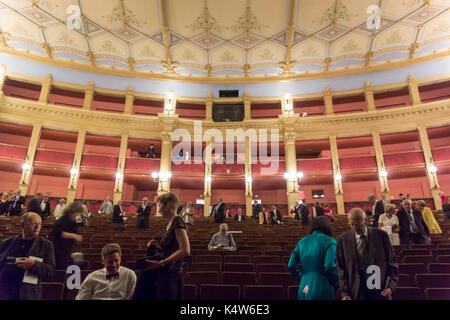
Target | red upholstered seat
(201,277)
(440,252)
(208,258)
(263,292)
(443,259)
(275,278)
(412,268)
(190,292)
(292,292)
(438,280)
(419,259)
(240,278)
(266,259)
(414,252)
(408,293)
(238,267)
(439,267)
(220,292)
(52,291)
(437,293)
(271,267)
(237,259)
(405,280)
(206,266)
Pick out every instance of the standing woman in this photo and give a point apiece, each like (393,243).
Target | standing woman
(316,253)
(64,235)
(428,217)
(175,246)
(4,204)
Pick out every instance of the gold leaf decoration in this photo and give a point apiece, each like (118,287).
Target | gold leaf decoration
(65,38)
(108,46)
(148,52)
(351,45)
(395,37)
(441,27)
(334,13)
(227,57)
(206,22)
(248,22)
(266,55)
(188,55)
(309,52)
(121,13)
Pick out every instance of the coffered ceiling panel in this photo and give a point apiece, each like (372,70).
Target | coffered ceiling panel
(254,38)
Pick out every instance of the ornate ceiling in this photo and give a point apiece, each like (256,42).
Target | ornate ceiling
(216,39)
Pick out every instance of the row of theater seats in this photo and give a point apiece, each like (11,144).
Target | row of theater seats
(258,269)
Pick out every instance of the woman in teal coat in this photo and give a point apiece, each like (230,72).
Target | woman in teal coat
(316,253)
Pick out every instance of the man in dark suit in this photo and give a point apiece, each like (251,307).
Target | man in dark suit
(413,229)
(239,216)
(45,208)
(17,202)
(26,252)
(275,215)
(257,208)
(304,213)
(35,204)
(143,213)
(358,251)
(218,211)
(117,213)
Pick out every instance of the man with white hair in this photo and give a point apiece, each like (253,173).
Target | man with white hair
(113,282)
(222,240)
(413,229)
(107,206)
(24,260)
(359,249)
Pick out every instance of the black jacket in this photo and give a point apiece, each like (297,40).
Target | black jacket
(35,206)
(220,215)
(236,217)
(41,248)
(381,254)
(18,209)
(405,230)
(46,211)
(145,212)
(117,214)
(275,217)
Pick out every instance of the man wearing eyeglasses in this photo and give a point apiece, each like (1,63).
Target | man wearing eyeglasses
(413,229)
(359,249)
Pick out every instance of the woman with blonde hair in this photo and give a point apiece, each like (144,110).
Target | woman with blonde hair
(389,222)
(428,217)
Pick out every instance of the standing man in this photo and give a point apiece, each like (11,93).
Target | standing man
(304,213)
(143,213)
(275,215)
(35,205)
(24,260)
(218,211)
(357,250)
(239,216)
(45,208)
(413,229)
(107,206)
(17,201)
(118,213)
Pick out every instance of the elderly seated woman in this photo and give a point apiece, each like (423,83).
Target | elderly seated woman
(222,240)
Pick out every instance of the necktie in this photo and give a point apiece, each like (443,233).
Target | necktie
(109,276)
(363,252)
(412,222)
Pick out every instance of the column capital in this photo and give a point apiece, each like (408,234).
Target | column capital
(166,137)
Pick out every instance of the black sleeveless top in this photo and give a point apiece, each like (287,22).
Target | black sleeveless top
(169,243)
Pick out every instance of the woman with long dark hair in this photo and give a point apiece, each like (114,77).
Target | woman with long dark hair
(316,253)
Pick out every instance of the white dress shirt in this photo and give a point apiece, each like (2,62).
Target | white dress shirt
(58,212)
(97,287)
(43,206)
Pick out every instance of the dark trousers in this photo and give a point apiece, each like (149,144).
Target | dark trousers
(416,238)
(364,293)
(170,285)
(143,222)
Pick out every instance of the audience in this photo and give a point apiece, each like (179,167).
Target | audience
(413,230)
(428,217)
(257,208)
(275,216)
(113,282)
(17,201)
(25,254)
(389,223)
(107,206)
(151,151)
(328,212)
(218,211)
(446,207)
(4,205)
(222,240)
(175,246)
(227,213)
(35,205)
(357,250)
(304,213)
(316,253)
(118,213)
(45,208)
(64,235)
(263,215)
(143,214)
(239,216)
(59,210)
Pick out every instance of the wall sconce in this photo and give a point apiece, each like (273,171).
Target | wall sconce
(119,176)
(73,172)
(208,179)
(432,169)
(248,179)
(293,177)
(163,177)
(169,102)
(383,174)
(26,166)
(287,103)
(338,177)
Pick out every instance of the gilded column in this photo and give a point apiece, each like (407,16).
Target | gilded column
(291,168)
(75,171)
(27,168)
(328,101)
(413,90)
(248,176)
(368,93)
(129,99)
(120,168)
(208,175)
(337,176)
(46,88)
(209,105)
(247,106)
(88,96)
(382,174)
(166,162)
(429,161)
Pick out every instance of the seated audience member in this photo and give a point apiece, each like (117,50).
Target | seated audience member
(143,214)
(317,254)
(107,206)
(275,215)
(64,235)
(118,213)
(25,253)
(113,282)
(239,216)
(17,201)
(222,240)
(35,205)
(446,207)
(389,223)
(151,151)
(428,217)
(187,213)
(358,249)
(328,212)
(4,205)
(227,213)
(45,207)
(413,229)
(58,212)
